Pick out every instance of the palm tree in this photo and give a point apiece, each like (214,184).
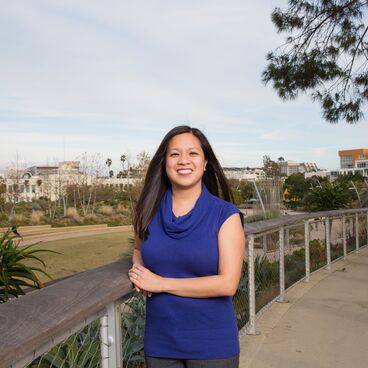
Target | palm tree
(108,164)
(123,158)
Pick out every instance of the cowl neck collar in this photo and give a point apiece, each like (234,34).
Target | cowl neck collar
(182,226)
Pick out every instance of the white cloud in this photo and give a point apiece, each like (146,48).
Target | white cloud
(126,72)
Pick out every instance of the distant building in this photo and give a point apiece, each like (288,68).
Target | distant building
(307,167)
(353,161)
(51,181)
(244,173)
(289,167)
(349,158)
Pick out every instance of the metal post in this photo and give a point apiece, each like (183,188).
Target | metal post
(307,252)
(251,287)
(344,235)
(281,298)
(328,244)
(357,232)
(110,334)
(104,337)
(367,229)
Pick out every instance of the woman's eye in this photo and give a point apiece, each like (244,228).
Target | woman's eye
(174,154)
(194,153)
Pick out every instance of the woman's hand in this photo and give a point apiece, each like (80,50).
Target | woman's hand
(144,279)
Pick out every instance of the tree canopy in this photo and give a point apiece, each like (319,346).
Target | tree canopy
(325,54)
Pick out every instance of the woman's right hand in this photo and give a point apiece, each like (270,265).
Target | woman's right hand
(138,261)
(139,290)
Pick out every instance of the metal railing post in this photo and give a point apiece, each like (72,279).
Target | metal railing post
(307,250)
(104,337)
(328,243)
(356,232)
(367,228)
(344,235)
(282,264)
(110,335)
(251,287)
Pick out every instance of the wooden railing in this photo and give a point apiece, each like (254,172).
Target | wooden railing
(32,324)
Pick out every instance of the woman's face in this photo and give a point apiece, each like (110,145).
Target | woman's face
(185,161)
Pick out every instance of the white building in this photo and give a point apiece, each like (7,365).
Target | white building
(52,181)
(244,173)
(289,167)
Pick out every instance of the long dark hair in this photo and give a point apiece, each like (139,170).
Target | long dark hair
(157,182)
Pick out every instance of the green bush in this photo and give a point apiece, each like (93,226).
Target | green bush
(133,331)
(267,215)
(78,351)
(14,274)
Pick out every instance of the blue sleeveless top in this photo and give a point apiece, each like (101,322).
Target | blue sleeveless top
(185,247)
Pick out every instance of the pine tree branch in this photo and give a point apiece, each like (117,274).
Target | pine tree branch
(348,77)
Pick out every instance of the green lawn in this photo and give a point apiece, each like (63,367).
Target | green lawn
(82,253)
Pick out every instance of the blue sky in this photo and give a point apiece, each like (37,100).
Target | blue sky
(113,77)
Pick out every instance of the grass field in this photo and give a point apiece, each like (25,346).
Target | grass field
(82,253)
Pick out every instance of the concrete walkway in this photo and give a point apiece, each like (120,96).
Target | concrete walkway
(323,325)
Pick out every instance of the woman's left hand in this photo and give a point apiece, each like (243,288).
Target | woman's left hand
(145,279)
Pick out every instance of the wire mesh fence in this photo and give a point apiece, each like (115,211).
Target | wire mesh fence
(241,298)
(133,322)
(362,230)
(294,261)
(350,233)
(82,350)
(266,268)
(336,238)
(317,245)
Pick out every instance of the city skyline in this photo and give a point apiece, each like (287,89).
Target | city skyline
(82,77)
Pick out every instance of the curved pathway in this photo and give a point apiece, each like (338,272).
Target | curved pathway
(323,324)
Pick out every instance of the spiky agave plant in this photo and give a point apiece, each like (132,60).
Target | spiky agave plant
(14,274)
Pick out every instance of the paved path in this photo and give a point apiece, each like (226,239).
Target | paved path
(323,325)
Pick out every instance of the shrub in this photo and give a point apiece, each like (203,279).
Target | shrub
(14,274)
(133,331)
(73,214)
(36,217)
(17,219)
(91,217)
(261,216)
(81,350)
(120,208)
(106,210)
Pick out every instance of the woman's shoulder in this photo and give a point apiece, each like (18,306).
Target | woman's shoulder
(221,203)
(224,209)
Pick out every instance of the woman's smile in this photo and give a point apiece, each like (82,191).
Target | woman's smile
(184,172)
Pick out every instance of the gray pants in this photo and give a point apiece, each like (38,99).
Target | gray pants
(232,362)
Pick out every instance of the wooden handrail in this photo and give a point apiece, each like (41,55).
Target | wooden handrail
(31,320)
(266,225)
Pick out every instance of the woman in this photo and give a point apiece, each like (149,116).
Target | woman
(188,256)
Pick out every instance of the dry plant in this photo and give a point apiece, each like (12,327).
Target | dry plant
(91,217)
(73,214)
(106,210)
(36,217)
(16,219)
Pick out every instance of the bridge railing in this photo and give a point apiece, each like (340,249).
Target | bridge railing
(94,319)
(286,250)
